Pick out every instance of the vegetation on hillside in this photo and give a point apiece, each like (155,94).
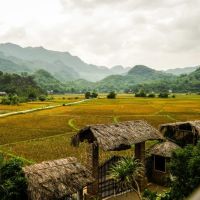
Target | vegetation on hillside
(21,85)
(48,82)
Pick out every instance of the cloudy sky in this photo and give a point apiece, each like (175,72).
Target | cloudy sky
(158,33)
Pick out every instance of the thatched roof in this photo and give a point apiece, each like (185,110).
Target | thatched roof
(117,136)
(194,124)
(51,180)
(164,149)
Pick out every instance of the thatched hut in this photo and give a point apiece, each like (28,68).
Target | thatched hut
(115,137)
(161,154)
(182,133)
(56,179)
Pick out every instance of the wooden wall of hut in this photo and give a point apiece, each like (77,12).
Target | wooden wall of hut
(93,165)
(140,155)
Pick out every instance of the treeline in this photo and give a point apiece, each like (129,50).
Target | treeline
(23,86)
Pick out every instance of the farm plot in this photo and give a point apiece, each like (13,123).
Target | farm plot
(46,135)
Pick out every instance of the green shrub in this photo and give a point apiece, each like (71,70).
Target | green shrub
(163,95)
(151,95)
(141,93)
(13,184)
(111,95)
(185,168)
(32,96)
(87,95)
(10,100)
(42,98)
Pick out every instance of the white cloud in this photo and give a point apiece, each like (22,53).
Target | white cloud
(157,33)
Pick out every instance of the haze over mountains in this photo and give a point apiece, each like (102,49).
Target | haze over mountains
(63,72)
(62,65)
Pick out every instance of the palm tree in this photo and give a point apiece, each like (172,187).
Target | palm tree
(126,172)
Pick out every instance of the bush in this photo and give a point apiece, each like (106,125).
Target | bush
(94,95)
(151,95)
(149,195)
(140,94)
(42,97)
(163,95)
(87,95)
(185,168)
(111,95)
(10,100)
(32,96)
(173,96)
(12,182)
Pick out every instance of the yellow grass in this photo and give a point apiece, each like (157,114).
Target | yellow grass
(46,134)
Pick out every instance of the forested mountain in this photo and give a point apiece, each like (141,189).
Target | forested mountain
(142,77)
(48,82)
(21,85)
(138,74)
(11,67)
(62,65)
(182,83)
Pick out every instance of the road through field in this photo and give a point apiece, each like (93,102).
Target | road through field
(42,108)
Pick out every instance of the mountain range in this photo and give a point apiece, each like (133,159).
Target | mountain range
(63,72)
(62,65)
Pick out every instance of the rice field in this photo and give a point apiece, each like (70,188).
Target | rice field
(46,134)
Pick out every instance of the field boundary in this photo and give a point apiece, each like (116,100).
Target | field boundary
(35,139)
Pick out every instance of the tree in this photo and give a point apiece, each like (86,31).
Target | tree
(32,96)
(163,95)
(42,98)
(185,167)
(87,95)
(94,95)
(126,172)
(12,180)
(141,93)
(111,95)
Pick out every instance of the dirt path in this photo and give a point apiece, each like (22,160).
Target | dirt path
(39,109)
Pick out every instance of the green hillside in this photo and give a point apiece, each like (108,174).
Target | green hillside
(48,82)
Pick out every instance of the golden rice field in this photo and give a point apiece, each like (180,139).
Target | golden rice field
(45,135)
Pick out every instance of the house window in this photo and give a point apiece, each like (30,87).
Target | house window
(159,163)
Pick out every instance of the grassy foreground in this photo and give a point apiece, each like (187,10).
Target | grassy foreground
(45,135)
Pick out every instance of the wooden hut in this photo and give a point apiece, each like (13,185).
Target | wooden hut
(114,137)
(161,154)
(182,133)
(56,179)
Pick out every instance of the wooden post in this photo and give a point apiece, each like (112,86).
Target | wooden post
(93,165)
(140,155)
(80,194)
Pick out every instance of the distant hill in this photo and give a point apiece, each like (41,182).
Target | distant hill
(179,71)
(139,74)
(48,82)
(11,67)
(182,83)
(136,75)
(61,64)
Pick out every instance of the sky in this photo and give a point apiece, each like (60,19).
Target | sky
(161,34)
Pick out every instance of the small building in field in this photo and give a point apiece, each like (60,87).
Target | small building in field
(57,179)
(160,157)
(3,93)
(182,133)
